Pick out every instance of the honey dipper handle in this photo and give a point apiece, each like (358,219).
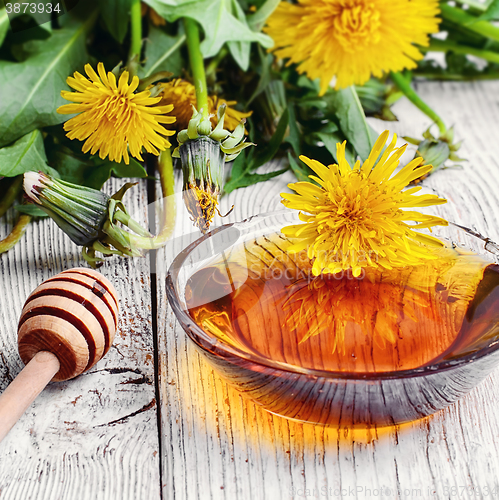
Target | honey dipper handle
(25,388)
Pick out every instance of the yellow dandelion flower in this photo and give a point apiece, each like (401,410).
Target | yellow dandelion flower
(233,117)
(182,95)
(355,218)
(112,119)
(352,40)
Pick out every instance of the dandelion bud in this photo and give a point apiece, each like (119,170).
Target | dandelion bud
(79,211)
(91,218)
(203,152)
(435,151)
(203,170)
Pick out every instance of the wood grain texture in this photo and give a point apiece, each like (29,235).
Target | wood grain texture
(94,437)
(97,437)
(217,445)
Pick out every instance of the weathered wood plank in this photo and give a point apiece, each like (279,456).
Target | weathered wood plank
(215,444)
(94,437)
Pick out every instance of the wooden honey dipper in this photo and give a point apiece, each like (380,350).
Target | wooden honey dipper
(67,324)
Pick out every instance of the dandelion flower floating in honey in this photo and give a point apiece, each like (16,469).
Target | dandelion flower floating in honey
(356,217)
(112,118)
(352,40)
(182,94)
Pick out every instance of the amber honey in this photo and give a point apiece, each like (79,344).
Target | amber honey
(265,303)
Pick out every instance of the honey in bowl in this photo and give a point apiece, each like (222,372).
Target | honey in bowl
(386,348)
(266,302)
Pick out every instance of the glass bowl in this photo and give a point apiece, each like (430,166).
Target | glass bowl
(380,349)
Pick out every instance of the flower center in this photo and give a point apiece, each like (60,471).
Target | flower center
(356,24)
(352,213)
(117,111)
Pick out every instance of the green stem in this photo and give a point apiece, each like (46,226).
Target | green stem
(167,179)
(400,81)
(197,64)
(136,30)
(212,67)
(448,45)
(460,78)
(459,16)
(132,224)
(472,4)
(16,233)
(4,22)
(11,194)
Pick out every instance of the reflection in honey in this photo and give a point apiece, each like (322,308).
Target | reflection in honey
(265,303)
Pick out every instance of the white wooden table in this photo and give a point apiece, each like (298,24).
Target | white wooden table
(153,421)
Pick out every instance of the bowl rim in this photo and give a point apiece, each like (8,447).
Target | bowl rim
(201,338)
